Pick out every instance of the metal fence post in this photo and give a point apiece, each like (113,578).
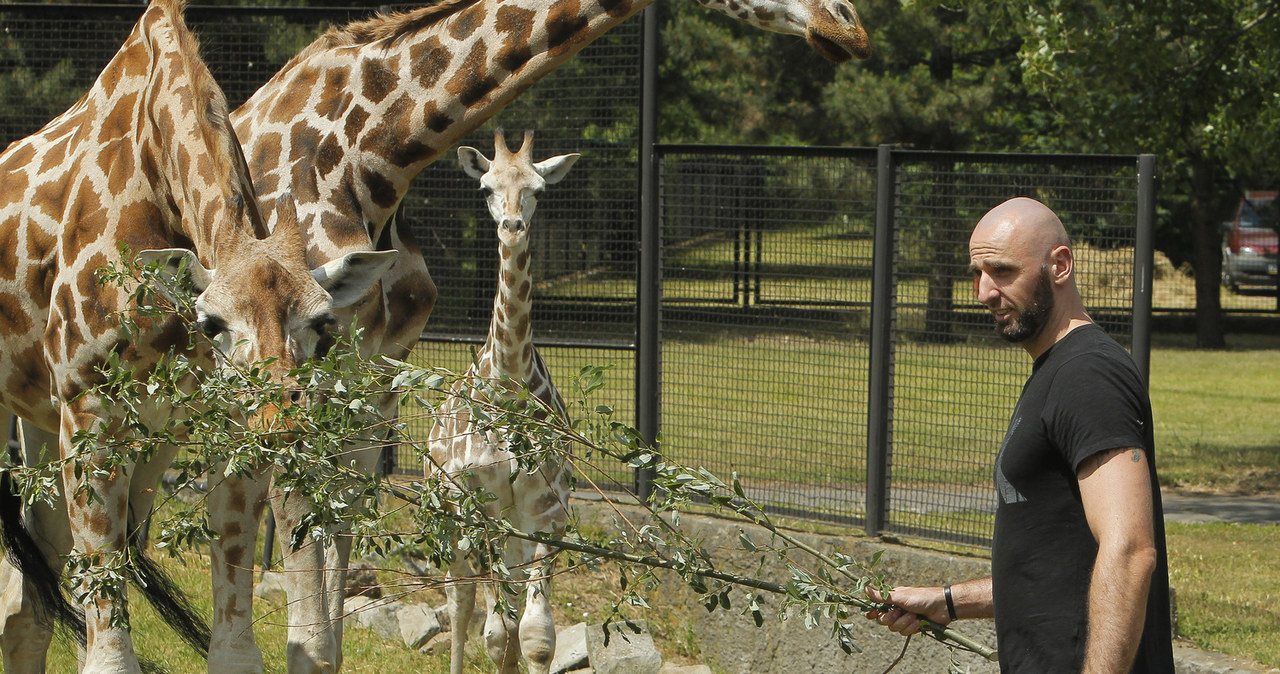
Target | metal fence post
(648,284)
(1143,260)
(878,395)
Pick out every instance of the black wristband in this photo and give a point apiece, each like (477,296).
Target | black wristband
(951,605)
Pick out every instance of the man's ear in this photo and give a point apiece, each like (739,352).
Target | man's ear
(349,277)
(171,260)
(1063,264)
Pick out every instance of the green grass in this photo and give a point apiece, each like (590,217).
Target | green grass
(1228,591)
(1217,425)
(364,651)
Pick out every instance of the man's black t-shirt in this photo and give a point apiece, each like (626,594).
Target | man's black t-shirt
(1084,396)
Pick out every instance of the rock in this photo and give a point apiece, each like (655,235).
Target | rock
(418,624)
(362,580)
(626,653)
(419,567)
(378,615)
(669,668)
(271,588)
(571,649)
(441,642)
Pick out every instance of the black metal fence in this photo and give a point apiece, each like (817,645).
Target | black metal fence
(799,316)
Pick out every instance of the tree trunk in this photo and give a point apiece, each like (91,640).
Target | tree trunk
(1207,256)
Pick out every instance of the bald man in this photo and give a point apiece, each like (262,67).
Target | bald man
(1078,579)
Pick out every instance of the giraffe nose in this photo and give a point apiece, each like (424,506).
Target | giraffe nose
(515,225)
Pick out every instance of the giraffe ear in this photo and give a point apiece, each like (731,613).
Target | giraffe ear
(172,260)
(472,161)
(554,170)
(349,277)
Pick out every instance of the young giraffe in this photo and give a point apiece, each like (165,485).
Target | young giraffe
(146,158)
(350,121)
(532,501)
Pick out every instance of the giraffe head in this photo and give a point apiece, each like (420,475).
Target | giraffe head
(830,27)
(263,304)
(511,182)
(834,30)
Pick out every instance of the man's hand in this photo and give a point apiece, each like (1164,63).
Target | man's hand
(906,605)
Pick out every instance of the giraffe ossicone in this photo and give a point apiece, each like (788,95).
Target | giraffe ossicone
(533,500)
(146,158)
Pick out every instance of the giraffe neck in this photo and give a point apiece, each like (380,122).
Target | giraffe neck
(378,110)
(509,346)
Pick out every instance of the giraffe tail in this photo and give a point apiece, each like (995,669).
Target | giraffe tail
(52,605)
(169,600)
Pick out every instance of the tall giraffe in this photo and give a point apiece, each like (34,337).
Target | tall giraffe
(531,501)
(147,158)
(350,121)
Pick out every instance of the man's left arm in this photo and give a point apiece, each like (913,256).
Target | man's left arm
(1115,487)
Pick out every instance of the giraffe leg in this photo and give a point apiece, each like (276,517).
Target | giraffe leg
(500,635)
(99,530)
(311,647)
(24,637)
(338,554)
(235,509)
(537,627)
(462,606)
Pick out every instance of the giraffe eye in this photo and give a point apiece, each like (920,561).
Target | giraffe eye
(323,327)
(211,326)
(486,190)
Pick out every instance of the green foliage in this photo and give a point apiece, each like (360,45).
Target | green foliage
(29,97)
(1181,79)
(943,77)
(721,81)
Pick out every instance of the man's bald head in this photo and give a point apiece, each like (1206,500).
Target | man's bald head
(1026,223)
(1023,271)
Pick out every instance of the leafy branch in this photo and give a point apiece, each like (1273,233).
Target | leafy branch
(341,397)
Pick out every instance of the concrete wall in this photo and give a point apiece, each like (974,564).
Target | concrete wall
(730,642)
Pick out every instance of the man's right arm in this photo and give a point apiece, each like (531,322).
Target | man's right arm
(972,599)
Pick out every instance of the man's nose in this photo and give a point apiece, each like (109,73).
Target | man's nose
(984,289)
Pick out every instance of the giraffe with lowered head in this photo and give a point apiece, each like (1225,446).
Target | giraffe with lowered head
(533,501)
(146,158)
(348,123)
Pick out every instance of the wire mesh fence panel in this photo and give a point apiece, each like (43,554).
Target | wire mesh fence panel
(954,382)
(766,265)
(51,54)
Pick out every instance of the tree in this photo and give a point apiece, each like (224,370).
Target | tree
(1191,81)
(943,77)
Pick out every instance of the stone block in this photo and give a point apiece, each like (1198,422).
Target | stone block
(271,588)
(418,624)
(571,649)
(626,653)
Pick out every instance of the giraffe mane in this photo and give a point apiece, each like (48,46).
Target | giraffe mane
(389,27)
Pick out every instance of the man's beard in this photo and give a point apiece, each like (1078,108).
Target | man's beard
(1031,318)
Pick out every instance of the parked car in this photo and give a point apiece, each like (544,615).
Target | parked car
(1249,242)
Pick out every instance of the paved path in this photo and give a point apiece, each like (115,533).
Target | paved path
(1190,507)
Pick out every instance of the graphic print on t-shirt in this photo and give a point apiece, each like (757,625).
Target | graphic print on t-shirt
(1008,493)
